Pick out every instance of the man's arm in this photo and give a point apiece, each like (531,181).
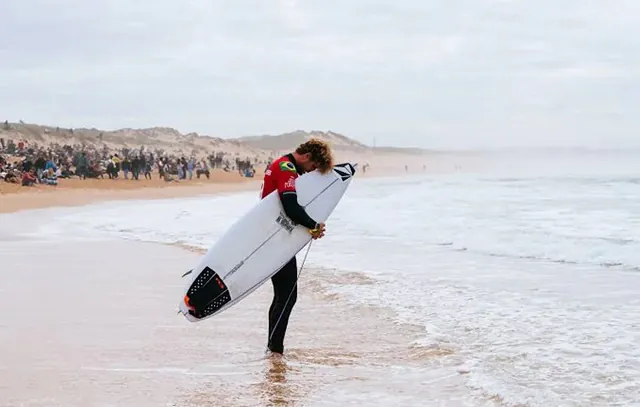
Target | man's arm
(288,196)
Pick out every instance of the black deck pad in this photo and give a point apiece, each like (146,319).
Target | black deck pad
(207,294)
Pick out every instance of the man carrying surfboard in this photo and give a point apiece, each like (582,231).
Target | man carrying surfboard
(280,176)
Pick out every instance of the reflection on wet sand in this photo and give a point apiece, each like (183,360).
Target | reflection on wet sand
(326,357)
(275,390)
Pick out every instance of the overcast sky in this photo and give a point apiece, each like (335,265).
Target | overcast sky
(435,74)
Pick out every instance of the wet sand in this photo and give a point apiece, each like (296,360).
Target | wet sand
(95,324)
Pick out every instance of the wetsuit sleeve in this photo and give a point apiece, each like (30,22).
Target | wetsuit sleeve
(285,177)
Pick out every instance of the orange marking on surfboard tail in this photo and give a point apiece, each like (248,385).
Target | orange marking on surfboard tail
(186,301)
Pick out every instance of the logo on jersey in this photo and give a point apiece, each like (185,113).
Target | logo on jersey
(291,183)
(267,172)
(287,166)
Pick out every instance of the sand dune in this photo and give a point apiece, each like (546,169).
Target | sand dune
(171,141)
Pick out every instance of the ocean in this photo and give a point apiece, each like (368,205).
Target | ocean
(523,285)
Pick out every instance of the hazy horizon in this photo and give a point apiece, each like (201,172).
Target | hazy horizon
(489,74)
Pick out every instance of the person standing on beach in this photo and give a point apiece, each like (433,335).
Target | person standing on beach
(82,169)
(281,176)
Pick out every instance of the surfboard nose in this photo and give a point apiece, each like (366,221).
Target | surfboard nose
(344,170)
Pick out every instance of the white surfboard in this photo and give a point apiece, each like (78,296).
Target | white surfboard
(259,244)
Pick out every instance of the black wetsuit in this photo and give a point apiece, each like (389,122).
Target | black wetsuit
(285,294)
(280,176)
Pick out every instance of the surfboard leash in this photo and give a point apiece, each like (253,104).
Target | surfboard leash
(304,259)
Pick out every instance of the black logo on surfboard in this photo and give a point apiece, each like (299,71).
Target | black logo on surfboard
(285,222)
(345,171)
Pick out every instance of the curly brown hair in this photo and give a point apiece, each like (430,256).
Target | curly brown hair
(320,153)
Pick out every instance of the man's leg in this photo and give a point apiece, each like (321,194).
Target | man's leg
(285,294)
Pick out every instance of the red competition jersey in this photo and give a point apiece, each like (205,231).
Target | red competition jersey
(280,176)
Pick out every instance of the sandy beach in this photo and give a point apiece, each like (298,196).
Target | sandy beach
(95,323)
(103,330)
(27,143)
(73,192)
(485,253)
(391,313)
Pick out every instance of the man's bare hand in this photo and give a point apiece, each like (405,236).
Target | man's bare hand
(318,232)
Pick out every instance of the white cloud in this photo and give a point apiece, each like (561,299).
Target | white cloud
(292,15)
(470,72)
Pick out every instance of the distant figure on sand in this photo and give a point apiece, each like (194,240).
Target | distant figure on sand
(281,176)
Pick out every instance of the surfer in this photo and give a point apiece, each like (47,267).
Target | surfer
(281,176)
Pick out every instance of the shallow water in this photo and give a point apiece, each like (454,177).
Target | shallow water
(526,281)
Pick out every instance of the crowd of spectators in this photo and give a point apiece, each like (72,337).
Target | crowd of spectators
(29,163)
